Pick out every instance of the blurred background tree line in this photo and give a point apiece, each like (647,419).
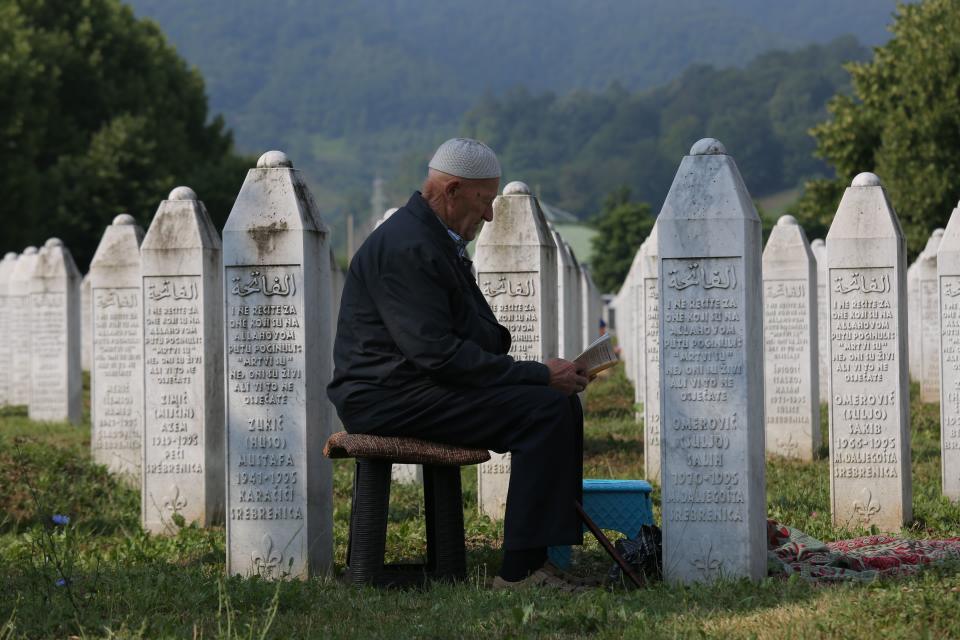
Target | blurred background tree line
(101,114)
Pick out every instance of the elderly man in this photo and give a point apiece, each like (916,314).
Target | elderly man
(419,353)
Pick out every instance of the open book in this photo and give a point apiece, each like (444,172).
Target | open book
(598,356)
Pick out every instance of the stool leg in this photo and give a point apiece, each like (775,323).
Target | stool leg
(443,506)
(368,520)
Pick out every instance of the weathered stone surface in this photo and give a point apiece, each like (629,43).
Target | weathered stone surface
(116,377)
(629,322)
(929,312)
(566,322)
(649,335)
(6,309)
(18,297)
(576,338)
(86,324)
(791,363)
(711,367)
(516,261)
(591,305)
(278,296)
(913,320)
(56,377)
(819,249)
(183,456)
(948,271)
(870,481)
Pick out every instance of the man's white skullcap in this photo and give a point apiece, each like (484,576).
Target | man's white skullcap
(466,158)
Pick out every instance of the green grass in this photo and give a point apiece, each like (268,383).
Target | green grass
(124,583)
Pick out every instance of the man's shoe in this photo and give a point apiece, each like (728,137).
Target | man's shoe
(539,579)
(566,576)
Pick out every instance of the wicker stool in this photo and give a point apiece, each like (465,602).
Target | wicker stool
(443,506)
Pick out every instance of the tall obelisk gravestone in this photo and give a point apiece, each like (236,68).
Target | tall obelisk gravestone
(86,324)
(116,377)
(592,306)
(516,260)
(929,312)
(914,327)
(948,271)
(649,334)
(56,378)
(183,472)
(278,297)
(819,249)
(18,297)
(576,338)
(6,309)
(791,362)
(870,481)
(711,367)
(565,304)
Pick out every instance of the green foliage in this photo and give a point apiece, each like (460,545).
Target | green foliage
(902,122)
(101,116)
(583,145)
(622,225)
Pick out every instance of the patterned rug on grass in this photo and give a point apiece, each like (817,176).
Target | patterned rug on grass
(791,551)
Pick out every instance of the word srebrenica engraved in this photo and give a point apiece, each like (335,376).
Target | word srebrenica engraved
(267,426)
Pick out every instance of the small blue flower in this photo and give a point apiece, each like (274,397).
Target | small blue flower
(61,582)
(61,520)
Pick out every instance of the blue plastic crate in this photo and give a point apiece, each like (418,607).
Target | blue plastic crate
(620,505)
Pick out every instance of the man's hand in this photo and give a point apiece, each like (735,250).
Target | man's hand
(566,377)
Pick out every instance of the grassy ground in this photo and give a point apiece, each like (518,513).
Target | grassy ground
(122,583)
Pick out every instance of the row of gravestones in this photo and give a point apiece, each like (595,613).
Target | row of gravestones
(200,391)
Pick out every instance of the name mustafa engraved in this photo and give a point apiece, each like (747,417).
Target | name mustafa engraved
(265,347)
(702,367)
(514,300)
(863,333)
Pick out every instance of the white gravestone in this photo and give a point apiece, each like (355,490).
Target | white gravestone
(278,297)
(116,376)
(711,367)
(566,323)
(819,249)
(791,362)
(183,457)
(6,309)
(913,319)
(649,334)
(948,271)
(634,347)
(56,379)
(577,337)
(592,306)
(18,297)
(870,481)
(929,312)
(86,324)
(516,260)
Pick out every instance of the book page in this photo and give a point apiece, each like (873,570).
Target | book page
(598,356)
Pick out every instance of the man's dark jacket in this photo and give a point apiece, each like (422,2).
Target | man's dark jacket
(412,318)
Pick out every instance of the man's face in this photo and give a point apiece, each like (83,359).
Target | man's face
(470,203)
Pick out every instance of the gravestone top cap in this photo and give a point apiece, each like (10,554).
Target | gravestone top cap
(29,251)
(866,179)
(708,147)
(124,218)
(818,242)
(466,158)
(274,160)
(10,255)
(516,188)
(182,193)
(787,221)
(53,242)
(937,233)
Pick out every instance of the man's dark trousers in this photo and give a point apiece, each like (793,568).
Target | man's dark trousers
(543,430)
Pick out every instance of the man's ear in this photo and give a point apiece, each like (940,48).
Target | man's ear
(451,188)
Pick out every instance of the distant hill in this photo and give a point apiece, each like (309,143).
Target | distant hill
(349,88)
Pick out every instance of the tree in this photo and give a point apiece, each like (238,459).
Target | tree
(902,122)
(100,116)
(622,225)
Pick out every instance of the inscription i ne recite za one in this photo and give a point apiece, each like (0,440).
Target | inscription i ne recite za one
(865,404)
(703,366)
(512,298)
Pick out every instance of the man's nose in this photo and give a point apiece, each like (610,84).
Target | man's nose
(488,214)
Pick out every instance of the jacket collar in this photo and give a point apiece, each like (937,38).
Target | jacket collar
(435,227)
